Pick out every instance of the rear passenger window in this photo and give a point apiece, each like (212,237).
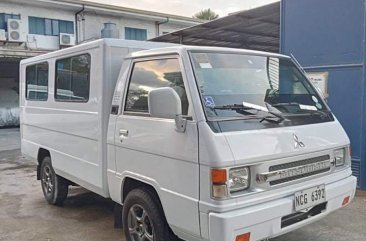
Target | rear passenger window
(36,81)
(153,74)
(73,79)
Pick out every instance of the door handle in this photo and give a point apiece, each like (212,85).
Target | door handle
(123,134)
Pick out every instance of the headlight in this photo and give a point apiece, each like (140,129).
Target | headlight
(226,181)
(238,179)
(339,157)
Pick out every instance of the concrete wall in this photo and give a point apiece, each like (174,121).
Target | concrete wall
(36,41)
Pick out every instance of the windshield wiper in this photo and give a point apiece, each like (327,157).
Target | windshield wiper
(241,108)
(321,113)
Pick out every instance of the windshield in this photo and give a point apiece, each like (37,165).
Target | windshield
(237,85)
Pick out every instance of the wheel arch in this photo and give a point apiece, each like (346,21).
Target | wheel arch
(130,183)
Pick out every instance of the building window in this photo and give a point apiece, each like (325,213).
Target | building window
(50,27)
(153,74)
(4,19)
(36,82)
(73,79)
(135,34)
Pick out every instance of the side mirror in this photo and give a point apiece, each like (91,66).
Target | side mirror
(164,103)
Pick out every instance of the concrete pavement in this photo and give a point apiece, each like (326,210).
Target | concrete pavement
(26,216)
(9,139)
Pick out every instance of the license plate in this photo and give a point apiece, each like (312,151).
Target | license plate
(309,197)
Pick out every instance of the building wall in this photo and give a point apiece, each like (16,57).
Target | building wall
(329,36)
(89,28)
(36,41)
(94,24)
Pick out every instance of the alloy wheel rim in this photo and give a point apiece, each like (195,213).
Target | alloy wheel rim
(47,180)
(140,226)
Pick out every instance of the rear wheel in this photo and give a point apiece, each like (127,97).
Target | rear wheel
(143,217)
(54,187)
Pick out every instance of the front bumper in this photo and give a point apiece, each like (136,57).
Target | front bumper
(264,220)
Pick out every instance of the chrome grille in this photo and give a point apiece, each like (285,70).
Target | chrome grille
(287,172)
(298,164)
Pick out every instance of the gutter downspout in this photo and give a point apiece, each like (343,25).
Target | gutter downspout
(76,23)
(158,26)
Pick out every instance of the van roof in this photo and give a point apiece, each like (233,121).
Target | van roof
(178,49)
(93,44)
(153,48)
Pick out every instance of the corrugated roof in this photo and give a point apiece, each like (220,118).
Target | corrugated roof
(257,29)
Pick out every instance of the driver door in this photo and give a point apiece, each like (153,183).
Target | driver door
(151,150)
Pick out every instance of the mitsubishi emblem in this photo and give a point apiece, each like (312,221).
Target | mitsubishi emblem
(297,142)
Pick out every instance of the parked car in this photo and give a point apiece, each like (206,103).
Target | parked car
(200,143)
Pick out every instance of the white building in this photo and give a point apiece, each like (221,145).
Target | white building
(32,27)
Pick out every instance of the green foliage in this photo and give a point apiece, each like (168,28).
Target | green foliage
(206,14)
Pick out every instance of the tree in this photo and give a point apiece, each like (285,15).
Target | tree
(206,14)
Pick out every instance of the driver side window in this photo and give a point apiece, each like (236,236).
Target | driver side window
(152,74)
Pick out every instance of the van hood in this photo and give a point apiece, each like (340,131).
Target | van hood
(266,144)
(254,146)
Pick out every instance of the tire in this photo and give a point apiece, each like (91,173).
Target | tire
(54,187)
(143,217)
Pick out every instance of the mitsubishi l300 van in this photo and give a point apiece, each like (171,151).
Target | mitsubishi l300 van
(195,143)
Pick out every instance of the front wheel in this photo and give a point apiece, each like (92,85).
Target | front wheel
(54,187)
(143,217)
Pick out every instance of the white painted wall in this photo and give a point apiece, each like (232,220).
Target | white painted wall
(36,42)
(93,24)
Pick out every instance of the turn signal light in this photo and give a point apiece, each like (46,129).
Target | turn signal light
(218,176)
(243,237)
(345,201)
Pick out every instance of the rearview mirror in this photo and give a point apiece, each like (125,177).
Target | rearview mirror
(164,103)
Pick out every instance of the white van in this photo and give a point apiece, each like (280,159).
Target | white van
(199,143)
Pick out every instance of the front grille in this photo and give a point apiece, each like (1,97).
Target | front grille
(299,164)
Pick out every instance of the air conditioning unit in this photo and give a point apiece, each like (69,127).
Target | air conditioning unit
(2,35)
(16,31)
(67,39)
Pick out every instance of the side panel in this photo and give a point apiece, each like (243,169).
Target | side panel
(69,130)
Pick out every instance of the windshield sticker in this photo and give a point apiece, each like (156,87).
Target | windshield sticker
(307,107)
(206,66)
(315,99)
(203,61)
(209,102)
